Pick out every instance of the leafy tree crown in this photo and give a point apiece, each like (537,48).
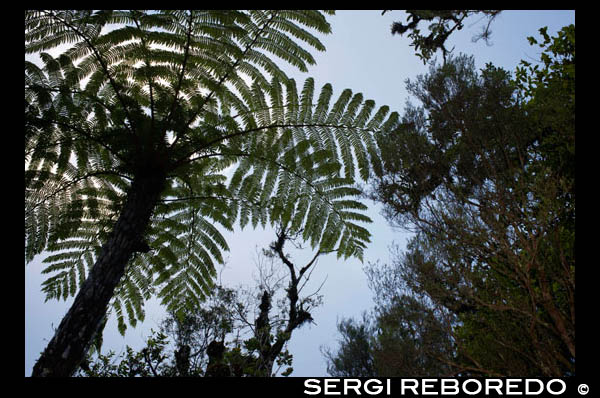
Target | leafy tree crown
(196,97)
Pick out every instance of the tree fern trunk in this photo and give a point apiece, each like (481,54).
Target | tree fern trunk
(69,345)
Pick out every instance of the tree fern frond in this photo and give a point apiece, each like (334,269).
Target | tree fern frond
(199,97)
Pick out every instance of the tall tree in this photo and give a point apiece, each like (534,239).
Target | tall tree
(354,356)
(235,332)
(132,131)
(403,336)
(273,332)
(483,171)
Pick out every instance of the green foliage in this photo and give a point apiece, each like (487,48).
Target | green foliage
(483,171)
(403,336)
(195,96)
(412,340)
(557,65)
(223,318)
(148,362)
(354,357)
(548,90)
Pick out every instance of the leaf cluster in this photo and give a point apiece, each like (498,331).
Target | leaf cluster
(483,172)
(195,96)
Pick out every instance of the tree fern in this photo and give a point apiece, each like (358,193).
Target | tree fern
(153,130)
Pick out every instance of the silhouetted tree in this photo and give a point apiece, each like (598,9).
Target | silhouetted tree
(128,131)
(227,335)
(442,23)
(483,173)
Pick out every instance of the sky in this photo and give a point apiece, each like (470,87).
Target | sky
(361,55)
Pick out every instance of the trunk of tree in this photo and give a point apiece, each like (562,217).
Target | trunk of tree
(72,339)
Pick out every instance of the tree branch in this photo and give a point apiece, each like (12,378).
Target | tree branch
(184,159)
(70,183)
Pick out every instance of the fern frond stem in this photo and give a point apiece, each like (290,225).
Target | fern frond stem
(293,173)
(282,167)
(182,160)
(52,144)
(94,98)
(103,64)
(272,126)
(186,54)
(71,183)
(232,198)
(266,108)
(150,80)
(91,138)
(231,69)
(195,198)
(265,159)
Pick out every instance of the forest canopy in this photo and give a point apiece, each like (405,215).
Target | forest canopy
(483,171)
(150,133)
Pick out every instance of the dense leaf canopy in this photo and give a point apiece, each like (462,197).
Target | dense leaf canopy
(195,96)
(483,170)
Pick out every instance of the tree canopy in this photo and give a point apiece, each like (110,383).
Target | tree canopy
(483,172)
(150,129)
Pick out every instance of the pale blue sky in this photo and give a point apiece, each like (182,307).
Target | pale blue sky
(361,55)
